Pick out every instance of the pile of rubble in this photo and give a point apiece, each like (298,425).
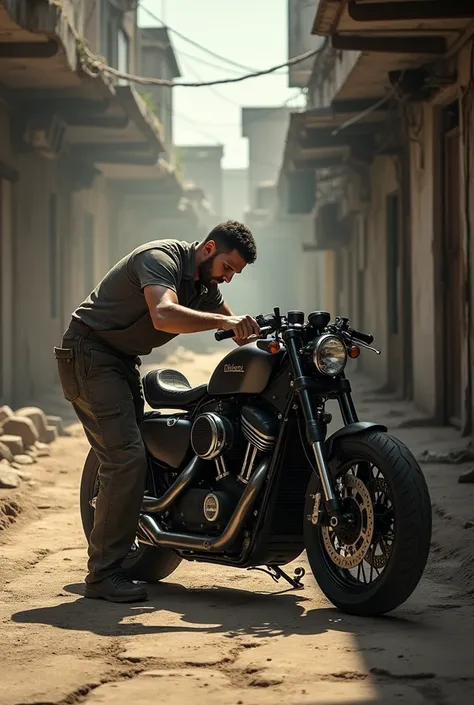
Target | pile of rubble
(25,436)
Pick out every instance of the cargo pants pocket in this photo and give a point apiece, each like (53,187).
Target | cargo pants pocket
(67,373)
(111,427)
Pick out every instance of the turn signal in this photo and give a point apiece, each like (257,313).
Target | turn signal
(274,347)
(354,352)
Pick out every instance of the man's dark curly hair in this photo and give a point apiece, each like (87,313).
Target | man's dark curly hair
(232,235)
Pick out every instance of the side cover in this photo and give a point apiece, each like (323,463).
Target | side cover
(245,370)
(167,439)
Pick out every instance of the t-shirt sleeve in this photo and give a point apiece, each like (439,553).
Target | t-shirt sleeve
(213,300)
(155,267)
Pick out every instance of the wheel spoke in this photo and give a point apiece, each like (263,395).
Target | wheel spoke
(360,554)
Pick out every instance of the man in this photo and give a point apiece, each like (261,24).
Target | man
(160,290)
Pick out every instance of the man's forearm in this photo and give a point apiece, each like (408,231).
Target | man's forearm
(173,318)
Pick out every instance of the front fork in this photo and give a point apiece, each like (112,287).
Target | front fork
(316,426)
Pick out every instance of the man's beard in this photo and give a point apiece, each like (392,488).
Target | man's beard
(204,271)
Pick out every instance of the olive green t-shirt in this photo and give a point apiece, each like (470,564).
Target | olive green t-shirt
(117,311)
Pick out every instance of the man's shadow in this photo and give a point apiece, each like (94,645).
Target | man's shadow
(233,612)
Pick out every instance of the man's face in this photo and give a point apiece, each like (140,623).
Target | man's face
(219,267)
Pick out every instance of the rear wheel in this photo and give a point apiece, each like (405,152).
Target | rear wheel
(374,566)
(143,563)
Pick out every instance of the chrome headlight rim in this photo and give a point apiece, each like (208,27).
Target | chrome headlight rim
(319,345)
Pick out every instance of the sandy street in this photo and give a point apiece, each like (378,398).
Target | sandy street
(219,636)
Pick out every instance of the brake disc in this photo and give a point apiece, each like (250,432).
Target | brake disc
(379,560)
(349,555)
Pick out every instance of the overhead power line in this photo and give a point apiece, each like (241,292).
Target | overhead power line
(193,42)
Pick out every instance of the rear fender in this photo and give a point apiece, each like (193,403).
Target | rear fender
(351,429)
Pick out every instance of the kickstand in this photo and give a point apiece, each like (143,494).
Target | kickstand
(275,572)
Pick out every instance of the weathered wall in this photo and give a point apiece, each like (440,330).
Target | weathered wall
(41,268)
(6,258)
(57,259)
(470,239)
(6,290)
(422,168)
(383,183)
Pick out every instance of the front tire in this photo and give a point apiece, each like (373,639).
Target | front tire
(408,510)
(145,563)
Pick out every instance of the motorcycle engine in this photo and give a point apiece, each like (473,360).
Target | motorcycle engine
(233,441)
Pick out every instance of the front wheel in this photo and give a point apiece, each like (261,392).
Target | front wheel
(144,563)
(373,566)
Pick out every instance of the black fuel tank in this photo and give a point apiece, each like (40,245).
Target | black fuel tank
(167,438)
(245,370)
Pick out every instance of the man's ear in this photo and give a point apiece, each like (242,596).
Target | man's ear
(209,248)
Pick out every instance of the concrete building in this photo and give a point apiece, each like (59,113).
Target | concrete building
(300,41)
(265,129)
(387,136)
(234,193)
(202,165)
(80,158)
(157,58)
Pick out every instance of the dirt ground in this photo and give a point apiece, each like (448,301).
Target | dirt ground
(219,636)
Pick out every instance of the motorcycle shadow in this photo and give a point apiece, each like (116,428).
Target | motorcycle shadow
(173,608)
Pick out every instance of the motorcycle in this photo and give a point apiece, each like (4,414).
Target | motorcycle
(244,475)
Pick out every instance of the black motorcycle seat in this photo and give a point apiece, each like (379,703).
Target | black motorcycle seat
(164,388)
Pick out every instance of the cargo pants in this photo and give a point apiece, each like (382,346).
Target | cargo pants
(105,391)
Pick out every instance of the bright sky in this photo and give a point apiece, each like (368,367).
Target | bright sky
(250,32)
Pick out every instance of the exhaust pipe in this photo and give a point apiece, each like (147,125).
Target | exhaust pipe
(160,504)
(158,537)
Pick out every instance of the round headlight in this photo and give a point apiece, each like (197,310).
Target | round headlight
(329,355)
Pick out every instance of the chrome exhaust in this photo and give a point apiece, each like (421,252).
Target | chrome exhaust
(161,504)
(158,537)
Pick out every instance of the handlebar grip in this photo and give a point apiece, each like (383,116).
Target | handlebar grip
(363,337)
(223,335)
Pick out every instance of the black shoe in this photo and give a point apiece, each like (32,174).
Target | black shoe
(116,588)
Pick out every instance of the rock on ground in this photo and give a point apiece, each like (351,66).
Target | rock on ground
(57,423)
(5,452)
(5,413)
(23,427)
(8,477)
(13,443)
(38,418)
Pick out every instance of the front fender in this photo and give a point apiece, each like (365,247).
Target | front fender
(351,429)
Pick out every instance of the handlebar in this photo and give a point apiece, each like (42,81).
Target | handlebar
(272,323)
(223,335)
(227,334)
(363,337)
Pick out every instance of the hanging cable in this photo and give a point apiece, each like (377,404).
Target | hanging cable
(95,65)
(193,42)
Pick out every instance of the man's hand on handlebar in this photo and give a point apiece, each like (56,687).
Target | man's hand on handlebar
(243,327)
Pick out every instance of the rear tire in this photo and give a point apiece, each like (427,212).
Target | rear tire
(146,564)
(412,528)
